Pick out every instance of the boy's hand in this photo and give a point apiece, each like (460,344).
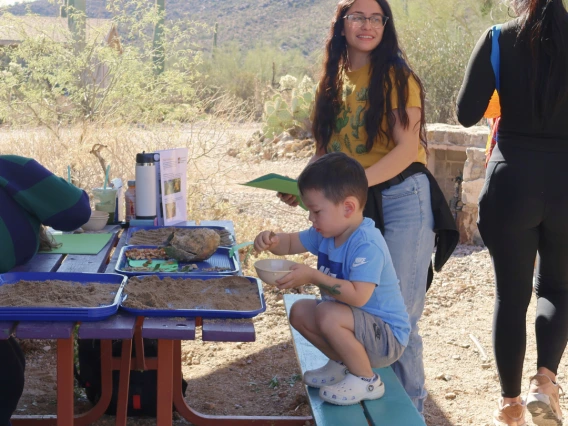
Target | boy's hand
(289,199)
(299,275)
(265,241)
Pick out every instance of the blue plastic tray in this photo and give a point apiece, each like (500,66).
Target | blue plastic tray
(203,313)
(25,313)
(220,259)
(133,229)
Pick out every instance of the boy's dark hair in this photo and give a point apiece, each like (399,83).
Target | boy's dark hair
(337,176)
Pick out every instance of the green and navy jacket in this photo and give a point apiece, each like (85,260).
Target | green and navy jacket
(31,195)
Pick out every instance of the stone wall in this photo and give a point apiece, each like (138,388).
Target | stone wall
(457,152)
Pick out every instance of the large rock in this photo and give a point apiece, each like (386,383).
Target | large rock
(194,246)
(474,167)
(467,225)
(471,191)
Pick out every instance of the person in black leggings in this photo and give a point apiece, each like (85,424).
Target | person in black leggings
(12,378)
(523,206)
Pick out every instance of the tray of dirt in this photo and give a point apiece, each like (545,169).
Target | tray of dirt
(206,296)
(157,235)
(145,260)
(59,296)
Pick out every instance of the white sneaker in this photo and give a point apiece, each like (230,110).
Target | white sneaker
(351,390)
(329,374)
(512,414)
(543,401)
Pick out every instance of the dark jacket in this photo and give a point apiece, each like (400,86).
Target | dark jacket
(447,235)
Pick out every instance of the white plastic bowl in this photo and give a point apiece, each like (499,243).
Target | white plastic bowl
(97,221)
(271,270)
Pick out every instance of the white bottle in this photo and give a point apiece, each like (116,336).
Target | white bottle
(130,201)
(145,186)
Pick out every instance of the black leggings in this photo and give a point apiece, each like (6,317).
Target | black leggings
(523,208)
(12,366)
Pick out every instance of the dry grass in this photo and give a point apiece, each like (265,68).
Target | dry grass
(88,149)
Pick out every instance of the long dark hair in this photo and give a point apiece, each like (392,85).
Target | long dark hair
(542,33)
(387,57)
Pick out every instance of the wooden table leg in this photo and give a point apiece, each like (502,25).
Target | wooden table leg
(99,409)
(199,419)
(140,359)
(94,413)
(165,381)
(124,383)
(65,391)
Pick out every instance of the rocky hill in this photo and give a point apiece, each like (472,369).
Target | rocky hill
(290,24)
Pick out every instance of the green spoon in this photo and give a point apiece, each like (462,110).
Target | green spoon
(239,246)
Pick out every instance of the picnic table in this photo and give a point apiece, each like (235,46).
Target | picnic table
(131,331)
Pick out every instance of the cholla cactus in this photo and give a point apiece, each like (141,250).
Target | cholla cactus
(287,112)
(288,82)
(306,85)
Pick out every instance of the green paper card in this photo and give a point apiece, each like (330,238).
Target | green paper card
(278,183)
(158,265)
(79,243)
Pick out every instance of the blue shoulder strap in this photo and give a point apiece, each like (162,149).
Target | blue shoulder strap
(495,54)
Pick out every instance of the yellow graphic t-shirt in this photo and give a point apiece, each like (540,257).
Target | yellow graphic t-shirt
(349,135)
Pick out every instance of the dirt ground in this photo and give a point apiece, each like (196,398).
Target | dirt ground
(262,378)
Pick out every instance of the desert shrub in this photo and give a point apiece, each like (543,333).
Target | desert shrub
(61,79)
(248,74)
(85,104)
(438,37)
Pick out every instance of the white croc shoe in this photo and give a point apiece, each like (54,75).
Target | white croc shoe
(352,390)
(331,373)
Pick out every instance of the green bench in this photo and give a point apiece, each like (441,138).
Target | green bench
(394,409)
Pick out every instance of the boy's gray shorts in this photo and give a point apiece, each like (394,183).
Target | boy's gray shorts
(376,336)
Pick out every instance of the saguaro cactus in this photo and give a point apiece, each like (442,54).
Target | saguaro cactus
(158,56)
(76,11)
(342,120)
(357,121)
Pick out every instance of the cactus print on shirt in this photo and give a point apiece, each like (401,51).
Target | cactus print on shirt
(349,135)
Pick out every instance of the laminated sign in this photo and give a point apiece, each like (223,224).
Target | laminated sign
(171,176)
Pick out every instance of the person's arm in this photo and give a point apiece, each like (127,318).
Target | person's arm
(354,293)
(51,199)
(478,84)
(366,263)
(279,244)
(407,142)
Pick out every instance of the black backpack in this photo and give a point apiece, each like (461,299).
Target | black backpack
(142,399)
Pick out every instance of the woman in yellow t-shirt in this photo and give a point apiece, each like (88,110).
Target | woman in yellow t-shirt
(369,105)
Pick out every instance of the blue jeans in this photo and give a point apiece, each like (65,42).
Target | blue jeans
(409,234)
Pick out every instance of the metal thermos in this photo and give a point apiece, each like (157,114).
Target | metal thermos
(145,186)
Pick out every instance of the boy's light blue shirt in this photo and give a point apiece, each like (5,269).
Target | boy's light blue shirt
(363,257)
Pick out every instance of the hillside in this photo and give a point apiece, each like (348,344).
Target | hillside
(289,24)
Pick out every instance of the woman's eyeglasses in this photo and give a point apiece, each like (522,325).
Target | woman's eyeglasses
(376,21)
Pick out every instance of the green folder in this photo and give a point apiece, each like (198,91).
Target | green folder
(279,183)
(79,243)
